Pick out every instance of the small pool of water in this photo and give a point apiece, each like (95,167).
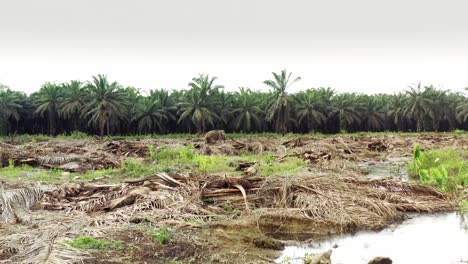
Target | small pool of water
(428,239)
(392,167)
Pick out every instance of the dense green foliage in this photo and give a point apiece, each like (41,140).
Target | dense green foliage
(444,168)
(103,107)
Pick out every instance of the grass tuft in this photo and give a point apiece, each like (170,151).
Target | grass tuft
(87,242)
(161,235)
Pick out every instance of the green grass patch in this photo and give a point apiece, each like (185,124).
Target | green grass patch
(161,235)
(96,174)
(88,242)
(288,166)
(12,172)
(445,168)
(27,172)
(134,169)
(184,159)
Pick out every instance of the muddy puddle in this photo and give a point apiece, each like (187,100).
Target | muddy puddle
(436,238)
(395,167)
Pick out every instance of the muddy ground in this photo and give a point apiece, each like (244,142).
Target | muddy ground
(212,218)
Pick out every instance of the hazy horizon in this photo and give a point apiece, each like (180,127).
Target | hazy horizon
(360,46)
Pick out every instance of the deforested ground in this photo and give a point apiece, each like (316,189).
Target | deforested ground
(181,200)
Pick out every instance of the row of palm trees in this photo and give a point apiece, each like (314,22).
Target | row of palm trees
(107,108)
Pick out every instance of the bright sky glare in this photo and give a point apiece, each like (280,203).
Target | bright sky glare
(363,45)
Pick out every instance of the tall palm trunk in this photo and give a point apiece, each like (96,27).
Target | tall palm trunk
(419,124)
(52,122)
(102,124)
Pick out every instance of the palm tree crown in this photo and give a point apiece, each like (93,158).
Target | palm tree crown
(107,104)
(280,106)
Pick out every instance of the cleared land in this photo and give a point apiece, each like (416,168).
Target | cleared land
(183,201)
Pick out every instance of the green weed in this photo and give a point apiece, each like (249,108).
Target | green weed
(161,235)
(88,242)
(445,168)
(288,166)
(133,168)
(96,174)
(206,163)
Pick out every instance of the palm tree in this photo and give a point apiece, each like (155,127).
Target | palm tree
(247,111)
(224,108)
(107,103)
(109,108)
(348,109)
(198,103)
(48,100)
(166,103)
(280,106)
(9,108)
(311,109)
(444,106)
(132,99)
(151,115)
(418,105)
(396,110)
(74,96)
(373,113)
(462,110)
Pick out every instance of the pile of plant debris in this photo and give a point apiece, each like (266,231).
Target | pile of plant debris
(286,207)
(35,219)
(73,156)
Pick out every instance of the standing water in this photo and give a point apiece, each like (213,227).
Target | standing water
(392,167)
(428,239)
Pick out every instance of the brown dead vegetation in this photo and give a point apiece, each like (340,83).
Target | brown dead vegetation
(242,214)
(74,155)
(286,207)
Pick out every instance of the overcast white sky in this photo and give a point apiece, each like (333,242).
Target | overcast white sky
(361,45)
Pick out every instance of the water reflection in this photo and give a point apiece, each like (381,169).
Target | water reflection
(437,239)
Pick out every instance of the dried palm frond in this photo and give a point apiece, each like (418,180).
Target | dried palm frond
(48,248)
(15,202)
(55,160)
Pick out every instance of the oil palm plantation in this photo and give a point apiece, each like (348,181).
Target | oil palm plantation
(418,106)
(396,110)
(443,107)
(198,103)
(224,108)
(166,103)
(348,109)
(103,107)
(279,109)
(374,114)
(311,109)
(48,101)
(152,116)
(107,104)
(9,109)
(247,112)
(462,111)
(74,97)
